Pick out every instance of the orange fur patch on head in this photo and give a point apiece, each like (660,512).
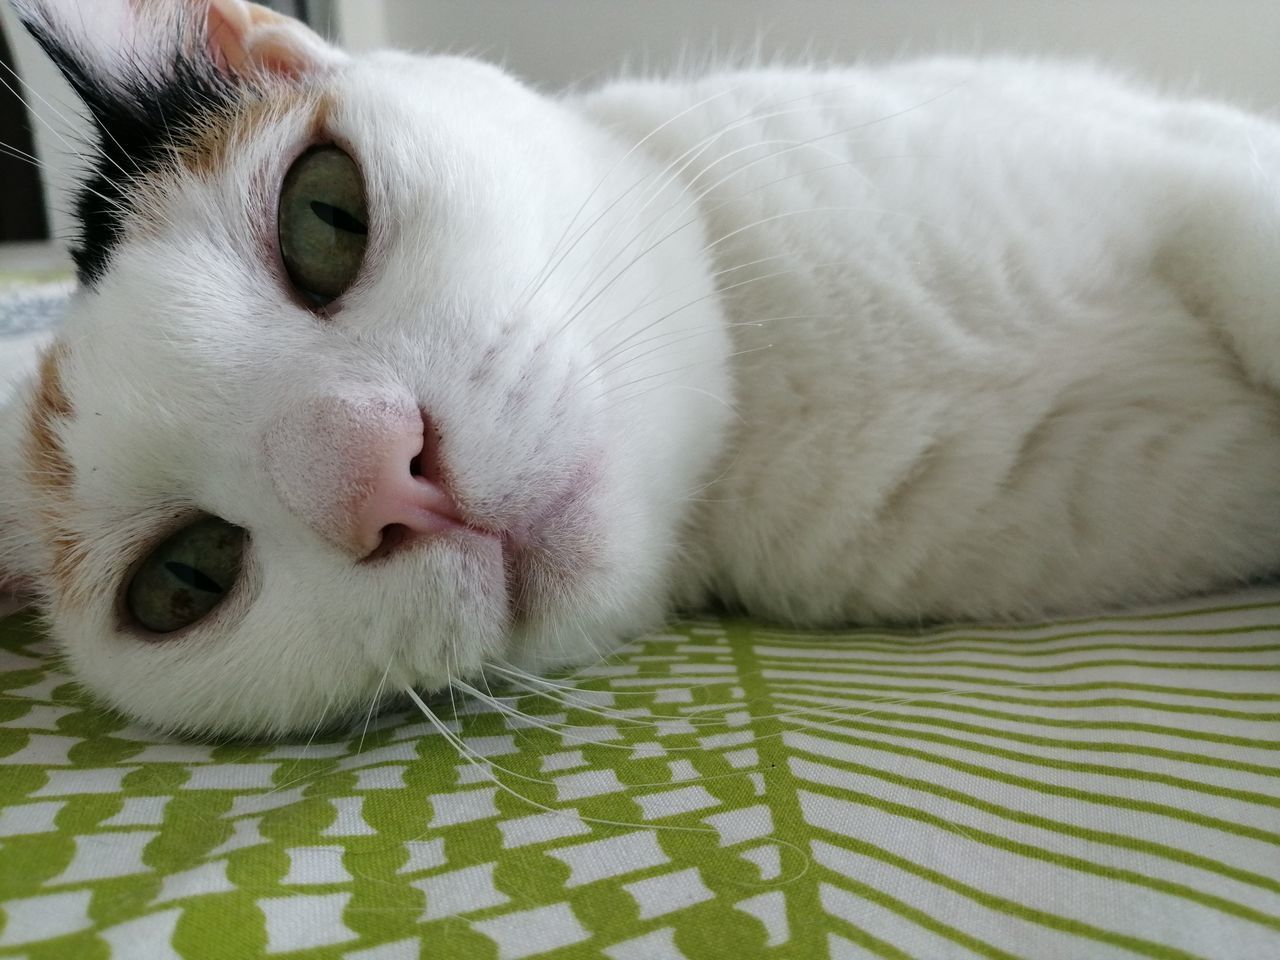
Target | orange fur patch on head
(209,147)
(48,466)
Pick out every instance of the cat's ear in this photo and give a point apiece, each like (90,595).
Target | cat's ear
(246,37)
(153,75)
(128,45)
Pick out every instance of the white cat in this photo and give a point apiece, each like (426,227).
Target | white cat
(388,367)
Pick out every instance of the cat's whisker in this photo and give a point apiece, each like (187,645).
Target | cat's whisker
(536,686)
(665,341)
(486,768)
(12,151)
(315,731)
(719,240)
(548,269)
(600,652)
(683,160)
(605,361)
(560,729)
(485,765)
(870,707)
(575,686)
(621,360)
(725,470)
(631,216)
(377,697)
(697,149)
(17,154)
(788,146)
(704,392)
(460,744)
(791,145)
(656,222)
(834,712)
(665,383)
(564,730)
(651,300)
(67,145)
(740,283)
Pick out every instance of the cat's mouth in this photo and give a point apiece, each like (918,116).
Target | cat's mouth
(542,554)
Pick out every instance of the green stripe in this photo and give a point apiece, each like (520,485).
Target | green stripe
(1151,728)
(1074,793)
(866,941)
(1045,624)
(1066,861)
(1078,928)
(916,916)
(1050,668)
(1223,763)
(1120,840)
(820,639)
(905,647)
(778,673)
(1097,702)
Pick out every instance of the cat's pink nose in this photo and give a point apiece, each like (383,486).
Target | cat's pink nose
(362,472)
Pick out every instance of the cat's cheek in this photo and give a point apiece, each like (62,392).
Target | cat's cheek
(551,557)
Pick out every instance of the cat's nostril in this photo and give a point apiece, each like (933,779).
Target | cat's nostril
(398,510)
(365,473)
(394,536)
(427,462)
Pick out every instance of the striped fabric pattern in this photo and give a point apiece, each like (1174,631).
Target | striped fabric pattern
(1103,787)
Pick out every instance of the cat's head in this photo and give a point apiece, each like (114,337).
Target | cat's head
(381,368)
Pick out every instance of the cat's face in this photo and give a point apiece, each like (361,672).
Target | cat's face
(375,376)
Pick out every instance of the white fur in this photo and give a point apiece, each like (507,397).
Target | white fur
(932,340)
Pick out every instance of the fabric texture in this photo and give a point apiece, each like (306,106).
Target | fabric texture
(1086,789)
(1092,788)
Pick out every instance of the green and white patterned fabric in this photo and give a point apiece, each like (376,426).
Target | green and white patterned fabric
(1090,789)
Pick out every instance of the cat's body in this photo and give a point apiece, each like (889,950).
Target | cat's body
(936,340)
(1007,377)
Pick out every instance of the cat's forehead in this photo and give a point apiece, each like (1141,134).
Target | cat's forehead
(207,169)
(219,139)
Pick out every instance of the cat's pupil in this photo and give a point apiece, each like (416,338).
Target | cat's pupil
(193,577)
(338,218)
(186,576)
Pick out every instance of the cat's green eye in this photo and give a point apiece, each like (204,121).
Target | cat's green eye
(324,223)
(186,576)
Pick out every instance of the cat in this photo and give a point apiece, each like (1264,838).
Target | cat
(386,367)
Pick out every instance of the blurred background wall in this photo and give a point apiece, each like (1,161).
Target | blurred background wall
(1222,48)
(1228,48)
